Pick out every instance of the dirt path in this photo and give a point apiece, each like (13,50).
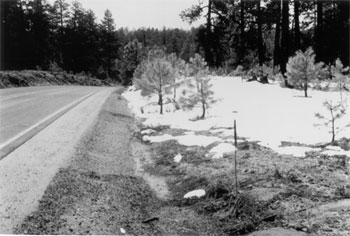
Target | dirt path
(26,172)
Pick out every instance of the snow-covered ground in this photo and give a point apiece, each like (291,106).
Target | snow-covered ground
(264,112)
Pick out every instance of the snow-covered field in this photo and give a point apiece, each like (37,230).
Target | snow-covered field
(264,112)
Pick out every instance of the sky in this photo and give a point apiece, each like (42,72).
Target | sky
(142,13)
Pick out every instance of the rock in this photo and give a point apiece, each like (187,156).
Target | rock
(122,231)
(195,193)
(178,158)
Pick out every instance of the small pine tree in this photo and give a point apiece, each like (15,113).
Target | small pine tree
(339,77)
(179,70)
(154,75)
(301,69)
(336,112)
(202,93)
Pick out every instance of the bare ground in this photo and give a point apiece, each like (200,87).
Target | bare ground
(105,190)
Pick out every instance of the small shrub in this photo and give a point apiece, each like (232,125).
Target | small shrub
(264,73)
(54,67)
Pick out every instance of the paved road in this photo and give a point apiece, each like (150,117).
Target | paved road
(22,108)
(27,170)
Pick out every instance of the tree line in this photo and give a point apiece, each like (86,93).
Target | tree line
(245,33)
(61,36)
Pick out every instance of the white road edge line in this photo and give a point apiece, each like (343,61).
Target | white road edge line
(2,145)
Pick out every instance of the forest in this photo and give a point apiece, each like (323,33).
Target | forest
(236,33)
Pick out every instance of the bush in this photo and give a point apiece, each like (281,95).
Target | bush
(54,67)
(263,73)
(238,71)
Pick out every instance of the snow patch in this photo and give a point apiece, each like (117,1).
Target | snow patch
(195,193)
(295,150)
(220,150)
(196,140)
(265,113)
(334,152)
(157,139)
(178,158)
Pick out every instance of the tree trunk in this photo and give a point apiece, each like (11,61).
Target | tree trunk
(333,131)
(242,27)
(203,102)
(276,52)
(296,22)
(208,42)
(285,35)
(333,128)
(160,102)
(318,30)
(203,108)
(160,94)
(305,87)
(260,38)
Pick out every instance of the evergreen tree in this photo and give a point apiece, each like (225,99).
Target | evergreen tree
(340,78)
(336,111)
(153,75)
(302,69)
(202,92)
(109,43)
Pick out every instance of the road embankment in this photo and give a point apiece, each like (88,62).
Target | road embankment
(25,78)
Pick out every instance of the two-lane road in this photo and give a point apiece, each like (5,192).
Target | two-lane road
(23,108)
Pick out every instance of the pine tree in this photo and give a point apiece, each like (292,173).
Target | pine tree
(202,91)
(154,75)
(336,112)
(109,43)
(341,79)
(301,69)
(178,70)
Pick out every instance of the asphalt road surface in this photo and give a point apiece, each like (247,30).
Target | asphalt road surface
(23,108)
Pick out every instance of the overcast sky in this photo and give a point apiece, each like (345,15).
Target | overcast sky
(142,13)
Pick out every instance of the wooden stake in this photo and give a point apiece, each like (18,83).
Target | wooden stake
(235,137)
